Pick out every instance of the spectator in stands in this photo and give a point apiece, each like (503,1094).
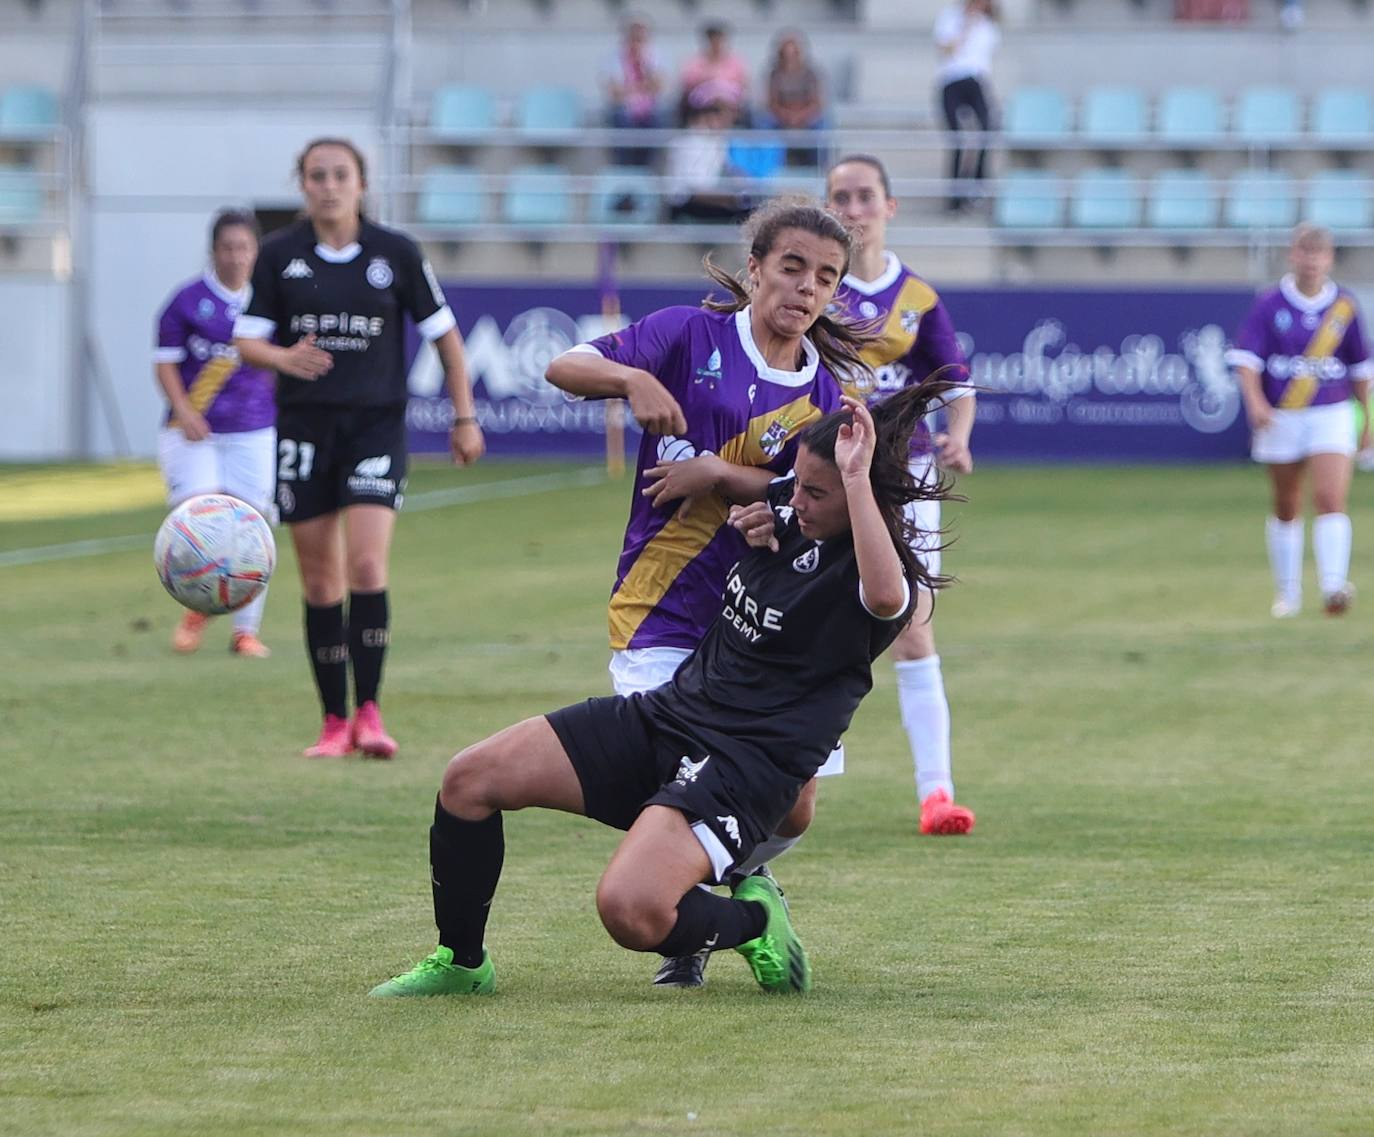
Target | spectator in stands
(698,164)
(633,79)
(716,75)
(795,94)
(967,35)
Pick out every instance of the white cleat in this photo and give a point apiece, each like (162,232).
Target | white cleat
(1285,609)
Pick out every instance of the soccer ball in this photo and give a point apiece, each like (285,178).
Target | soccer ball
(214,553)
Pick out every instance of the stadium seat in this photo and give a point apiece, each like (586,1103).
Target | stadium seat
(462,110)
(1189,116)
(1113,114)
(1343,114)
(1261,199)
(1036,114)
(451,195)
(549,109)
(1340,200)
(21,197)
(1268,114)
(1182,199)
(1029,199)
(625,195)
(27,112)
(1105,199)
(756,157)
(538,195)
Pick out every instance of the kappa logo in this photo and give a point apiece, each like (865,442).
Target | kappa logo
(688,770)
(296,270)
(809,560)
(373,467)
(784,513)
(379,273)
(911,320)
(731,829)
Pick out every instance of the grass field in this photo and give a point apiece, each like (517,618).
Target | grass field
(1161,924)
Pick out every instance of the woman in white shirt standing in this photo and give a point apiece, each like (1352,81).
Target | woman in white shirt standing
(967,35)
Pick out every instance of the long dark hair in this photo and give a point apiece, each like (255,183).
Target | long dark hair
(894,421)
(838,342)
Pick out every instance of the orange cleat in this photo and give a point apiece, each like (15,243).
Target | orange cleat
(247,643)
(369,735)
(336,740)
(940,817)
(187,636)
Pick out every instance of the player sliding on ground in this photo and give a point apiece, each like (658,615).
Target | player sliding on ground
(701,770)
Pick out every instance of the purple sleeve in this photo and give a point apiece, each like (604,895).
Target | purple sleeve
(1253,337)
(172,332)
(937,346)
(650,344)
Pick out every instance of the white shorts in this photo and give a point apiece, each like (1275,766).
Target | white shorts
(640,669)
(1297,434)
(242,463)
(925,516)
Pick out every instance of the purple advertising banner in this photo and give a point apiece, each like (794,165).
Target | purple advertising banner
(1062,375)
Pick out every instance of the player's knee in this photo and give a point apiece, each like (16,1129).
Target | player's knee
(1328,501)
(633,919)
(466,787)
(367,572)
(917,642)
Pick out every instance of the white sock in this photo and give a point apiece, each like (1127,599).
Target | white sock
(1331,543)
(249,617)
(764,852)
(1284,539)
(925,714)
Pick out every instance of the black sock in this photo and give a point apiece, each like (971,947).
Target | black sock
(464,865)
(707,920)
(368,633)
(326,641)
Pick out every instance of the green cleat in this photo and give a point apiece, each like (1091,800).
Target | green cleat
(777,957)
(437,974)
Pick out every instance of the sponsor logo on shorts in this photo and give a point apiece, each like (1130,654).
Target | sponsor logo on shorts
(369,478)
(296,270)
(377,467)
(808,561)
(731,829)
(379,273)
(688,770)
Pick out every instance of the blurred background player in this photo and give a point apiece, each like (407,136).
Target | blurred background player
(967,36)
(722,392)
(218,436)
(915,339)
(329,296)
(1300,356)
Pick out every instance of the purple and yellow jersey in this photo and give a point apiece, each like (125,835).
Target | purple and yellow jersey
(1307,349)
(672,571)
(195,331)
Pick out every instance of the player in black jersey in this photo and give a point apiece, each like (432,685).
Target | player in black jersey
(330,294)
(702,769)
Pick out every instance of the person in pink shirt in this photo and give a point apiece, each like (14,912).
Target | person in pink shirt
(716,72)
(633,80)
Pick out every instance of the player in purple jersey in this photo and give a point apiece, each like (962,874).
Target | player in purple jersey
(218,434)
(1300,356)
(722,393)
(699,771)
(915,340)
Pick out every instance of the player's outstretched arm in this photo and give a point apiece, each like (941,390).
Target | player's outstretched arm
(695,478)
(593,376)
(884,586)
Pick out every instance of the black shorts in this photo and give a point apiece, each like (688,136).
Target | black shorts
(625,761)
(332,457)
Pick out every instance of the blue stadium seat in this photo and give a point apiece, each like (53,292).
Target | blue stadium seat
(1029,199)
(625,195)
(27,112)
(1189,116)
(21,197)
(1261,199)
(1268,114)
(1036,114)
(1113,114)
(756,157)
(538,195)
(462,110)
(1343,114)
(549,109)
(1105,199)
(1182,199)
(1340,200)
(451,195)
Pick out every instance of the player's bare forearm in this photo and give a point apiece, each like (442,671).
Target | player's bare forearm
(959,416)
(258,353)
(880,568)
(742,484)
(591,376)
(455,364)
(169,379)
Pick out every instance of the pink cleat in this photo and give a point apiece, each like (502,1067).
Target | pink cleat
(369,735)
(187,636)
(940,817)
(336,740)
(248,644)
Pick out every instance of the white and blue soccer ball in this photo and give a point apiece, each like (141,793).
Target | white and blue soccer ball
(214,553)
(674,449)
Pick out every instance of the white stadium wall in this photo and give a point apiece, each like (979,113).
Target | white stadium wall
(37,423)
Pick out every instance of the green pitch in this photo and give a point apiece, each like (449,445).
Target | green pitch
(1161,924)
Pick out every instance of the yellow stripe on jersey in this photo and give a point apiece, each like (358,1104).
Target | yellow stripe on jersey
(210,382)
(1325,340)
(898,332)
(681,541)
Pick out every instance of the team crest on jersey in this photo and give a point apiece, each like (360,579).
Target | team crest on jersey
(379,273)
(809,561)
(911,320)
(206,308)
(296,270)
(1283,320)
(286,499)
(773,439)
(868,310)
